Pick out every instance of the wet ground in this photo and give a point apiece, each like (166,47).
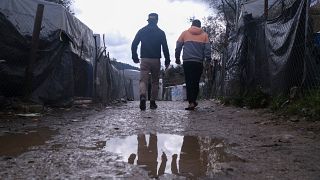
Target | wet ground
(122,142)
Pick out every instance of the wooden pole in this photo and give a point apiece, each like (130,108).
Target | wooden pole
(33,51)
(266,8)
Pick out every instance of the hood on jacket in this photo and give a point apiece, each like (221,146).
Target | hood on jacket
(195,30)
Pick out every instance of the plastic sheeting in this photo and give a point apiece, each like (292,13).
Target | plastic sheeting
(255,7)
(111,83)
(271,55)
(53,77)
(61,71)
(21,13)
(315,3)
(134,76)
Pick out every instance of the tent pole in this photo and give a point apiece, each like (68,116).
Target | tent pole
(33,51)
(266,8)
(306,32)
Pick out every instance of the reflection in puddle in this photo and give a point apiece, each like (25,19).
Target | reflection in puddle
(97,146)
(16,144)
(188,156)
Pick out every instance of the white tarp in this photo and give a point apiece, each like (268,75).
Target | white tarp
(178,92)
(134,75)
(21,13)
(315,3)
(315,14)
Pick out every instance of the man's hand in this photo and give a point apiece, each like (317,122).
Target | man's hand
(206,65)
(135,57)
(178,61)
(136,60)
(167,63)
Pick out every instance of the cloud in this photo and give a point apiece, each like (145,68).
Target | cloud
(116,39)
(120,20)
(194,1)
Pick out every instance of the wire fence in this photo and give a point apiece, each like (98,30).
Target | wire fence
(63,70)
(278,55)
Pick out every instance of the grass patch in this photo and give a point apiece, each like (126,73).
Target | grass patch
(307,106)
(255,99)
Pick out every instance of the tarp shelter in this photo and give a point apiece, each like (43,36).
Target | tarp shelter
(63,68)
(134,76)
(273,55)
(111,84)
(315,14)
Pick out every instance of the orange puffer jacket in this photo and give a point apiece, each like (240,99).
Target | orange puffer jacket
(195,44)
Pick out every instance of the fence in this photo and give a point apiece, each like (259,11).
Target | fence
(277,55)
(66,64)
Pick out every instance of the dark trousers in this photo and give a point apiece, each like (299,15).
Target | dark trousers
(192,74)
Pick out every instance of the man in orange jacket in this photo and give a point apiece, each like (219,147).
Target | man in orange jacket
(196,50)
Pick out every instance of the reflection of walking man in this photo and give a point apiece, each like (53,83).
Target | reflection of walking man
(191,164)
(148,154)
(152,38)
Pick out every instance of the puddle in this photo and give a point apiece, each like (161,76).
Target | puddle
(18,143)
(159,154)
(97,146)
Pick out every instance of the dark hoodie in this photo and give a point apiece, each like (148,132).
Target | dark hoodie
(195,44)
(152,38)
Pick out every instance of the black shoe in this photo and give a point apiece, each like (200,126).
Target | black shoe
(191,106)
(142,103)
(195,104)
(153,104)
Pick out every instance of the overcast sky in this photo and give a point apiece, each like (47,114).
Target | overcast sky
(119,20)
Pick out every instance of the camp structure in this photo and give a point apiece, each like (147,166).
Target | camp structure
(274,52)
(67,58)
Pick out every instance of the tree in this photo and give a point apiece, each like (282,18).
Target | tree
(66,3)
(228,9)
(220,25)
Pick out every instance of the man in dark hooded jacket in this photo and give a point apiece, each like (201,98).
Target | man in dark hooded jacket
(152,38)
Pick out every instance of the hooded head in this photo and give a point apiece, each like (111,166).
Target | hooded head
(153,18)
(196,23)
(195,27)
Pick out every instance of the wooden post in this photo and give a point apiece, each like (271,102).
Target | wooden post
(104,45)
(33,51)
(266,8)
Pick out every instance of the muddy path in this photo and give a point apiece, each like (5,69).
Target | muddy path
(116,142)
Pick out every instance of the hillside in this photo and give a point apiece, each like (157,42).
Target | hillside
(122,66)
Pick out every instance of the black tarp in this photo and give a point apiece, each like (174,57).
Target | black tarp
(273,55)
(111,83)
(55,77)
(59,73)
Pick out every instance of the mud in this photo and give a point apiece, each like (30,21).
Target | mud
(116,142)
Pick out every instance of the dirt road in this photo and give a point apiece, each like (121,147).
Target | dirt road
(116,142)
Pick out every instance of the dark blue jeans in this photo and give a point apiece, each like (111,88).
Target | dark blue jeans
(192,74)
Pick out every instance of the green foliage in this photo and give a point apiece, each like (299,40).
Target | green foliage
(308,106)
(173,76)
(255,99)
(277,103)
(122,66)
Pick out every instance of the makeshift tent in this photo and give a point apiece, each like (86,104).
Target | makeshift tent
(63,67)
(66,64)
(134,76)
(273,55)
(111,83)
